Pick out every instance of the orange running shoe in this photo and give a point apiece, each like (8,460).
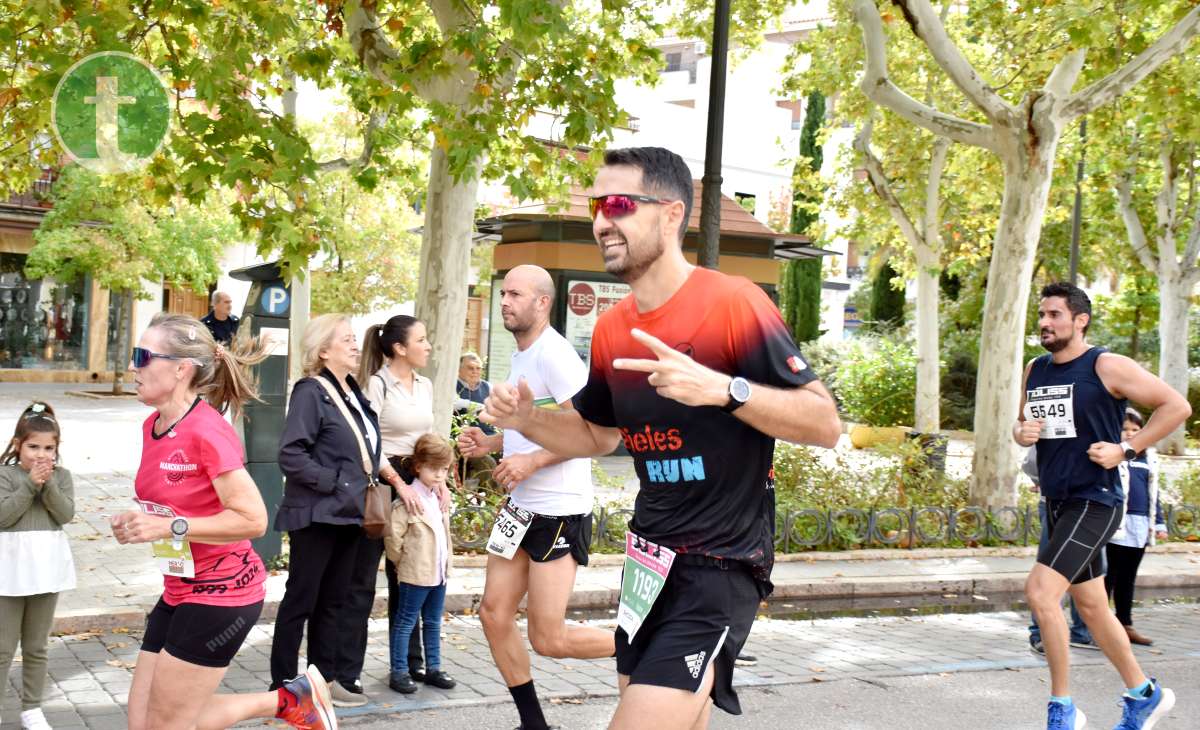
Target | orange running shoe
(305,703)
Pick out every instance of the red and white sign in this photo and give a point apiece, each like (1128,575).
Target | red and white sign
(581,298)
(586,301)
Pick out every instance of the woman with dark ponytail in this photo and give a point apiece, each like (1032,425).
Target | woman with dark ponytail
(403,398)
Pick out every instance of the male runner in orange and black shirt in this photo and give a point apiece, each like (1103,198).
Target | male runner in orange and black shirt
(696,373)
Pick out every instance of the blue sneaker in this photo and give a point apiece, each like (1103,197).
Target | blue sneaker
(1064,717)
(1143,713)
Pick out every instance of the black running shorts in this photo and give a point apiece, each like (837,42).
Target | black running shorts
(198,634)
(701,618)
(1079,530)
(550,538)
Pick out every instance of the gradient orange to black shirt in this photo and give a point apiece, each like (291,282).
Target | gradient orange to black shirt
(705,484)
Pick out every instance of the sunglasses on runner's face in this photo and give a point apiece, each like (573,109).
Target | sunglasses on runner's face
(142,357)
(619,205)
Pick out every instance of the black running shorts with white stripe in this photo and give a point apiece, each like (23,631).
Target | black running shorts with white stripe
(1079,530)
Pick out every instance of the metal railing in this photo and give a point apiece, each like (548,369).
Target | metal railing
(885,527)
(932,526)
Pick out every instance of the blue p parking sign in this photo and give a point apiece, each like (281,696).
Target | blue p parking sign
(275,301)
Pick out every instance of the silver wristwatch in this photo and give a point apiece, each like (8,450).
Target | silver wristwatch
(179,531)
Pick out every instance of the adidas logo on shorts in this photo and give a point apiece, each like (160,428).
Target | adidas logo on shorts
(695,662)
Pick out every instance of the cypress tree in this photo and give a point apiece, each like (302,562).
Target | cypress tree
(800,281)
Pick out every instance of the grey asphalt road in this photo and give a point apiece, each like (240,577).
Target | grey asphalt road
(995,700)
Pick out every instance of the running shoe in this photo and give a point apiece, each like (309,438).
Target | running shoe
(746,660)
(1143,713)
(305,702)
(34,720)
(1064,717)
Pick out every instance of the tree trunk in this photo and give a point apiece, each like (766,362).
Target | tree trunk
(124,325)
(928,405)
(1173,346)
(1028,167)
(1135,339)
(445,269)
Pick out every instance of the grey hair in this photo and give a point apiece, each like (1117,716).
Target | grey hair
(469,356)
(216,297)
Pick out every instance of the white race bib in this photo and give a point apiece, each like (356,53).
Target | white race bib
(1053,405)
(172,559)
(508,531)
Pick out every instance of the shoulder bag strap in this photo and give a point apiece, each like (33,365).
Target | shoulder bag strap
(337,400)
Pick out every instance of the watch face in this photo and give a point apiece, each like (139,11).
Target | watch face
(179,527)
(739,388)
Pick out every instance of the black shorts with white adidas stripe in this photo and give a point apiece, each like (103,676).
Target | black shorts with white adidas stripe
(700,619)
(550,538)
(1078,531)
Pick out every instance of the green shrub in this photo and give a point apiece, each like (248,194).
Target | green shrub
(902,478)
(877,382)
(887,302)
(1186,487)
(888,477)
(824,358)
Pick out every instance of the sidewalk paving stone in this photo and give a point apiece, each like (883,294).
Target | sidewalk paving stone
(788,651)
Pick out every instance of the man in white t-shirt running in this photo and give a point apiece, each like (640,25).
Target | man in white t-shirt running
(549,512)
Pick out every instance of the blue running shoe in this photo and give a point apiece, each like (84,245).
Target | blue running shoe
(1143,713)
(1064,717)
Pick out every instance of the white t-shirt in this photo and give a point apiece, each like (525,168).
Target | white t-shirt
(554,373)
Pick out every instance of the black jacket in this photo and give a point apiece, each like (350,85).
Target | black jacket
(320,458)
(222,331)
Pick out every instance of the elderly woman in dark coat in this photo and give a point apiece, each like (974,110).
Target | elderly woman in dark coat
(322,512)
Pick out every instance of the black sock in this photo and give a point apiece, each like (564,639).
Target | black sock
(528,707)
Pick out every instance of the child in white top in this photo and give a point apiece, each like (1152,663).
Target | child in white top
(36,499)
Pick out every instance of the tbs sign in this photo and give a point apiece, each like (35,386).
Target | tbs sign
(581,298)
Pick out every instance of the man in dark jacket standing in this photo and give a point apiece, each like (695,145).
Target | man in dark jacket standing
(220,320)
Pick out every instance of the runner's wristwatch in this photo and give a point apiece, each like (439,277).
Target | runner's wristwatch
(179,530)
(1130,452)
(739,393)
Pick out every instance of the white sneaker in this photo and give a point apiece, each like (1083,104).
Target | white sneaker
(34,720)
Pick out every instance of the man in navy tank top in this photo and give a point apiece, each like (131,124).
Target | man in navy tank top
(1072,408)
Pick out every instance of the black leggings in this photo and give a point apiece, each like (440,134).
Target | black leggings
(1123,565)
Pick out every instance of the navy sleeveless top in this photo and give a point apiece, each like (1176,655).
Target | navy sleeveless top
(1078,411)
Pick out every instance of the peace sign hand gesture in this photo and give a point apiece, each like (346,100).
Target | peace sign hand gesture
(676,376)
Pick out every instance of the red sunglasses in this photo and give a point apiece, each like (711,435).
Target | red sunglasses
(619,205)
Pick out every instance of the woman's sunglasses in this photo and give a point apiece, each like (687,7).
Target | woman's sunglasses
(619,205)
(142,357)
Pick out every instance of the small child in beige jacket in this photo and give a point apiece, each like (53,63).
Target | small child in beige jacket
(420,546)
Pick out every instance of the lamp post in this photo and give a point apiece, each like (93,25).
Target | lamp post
(710,201)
